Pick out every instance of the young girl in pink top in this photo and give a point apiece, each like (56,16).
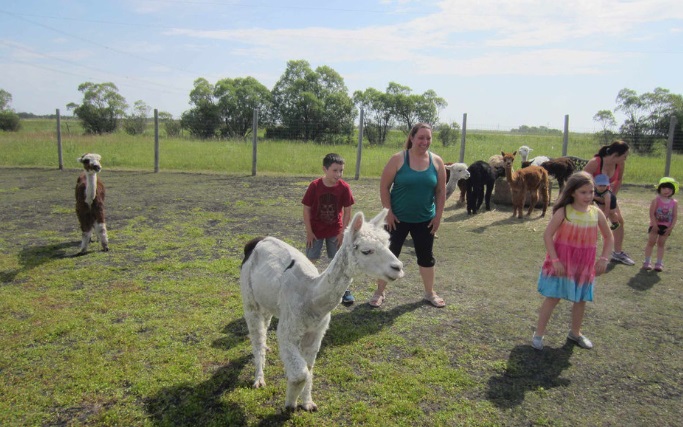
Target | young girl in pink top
(663,216)
(570,264)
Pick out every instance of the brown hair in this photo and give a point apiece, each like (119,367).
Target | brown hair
(619,147)
(413,131)
(577,180)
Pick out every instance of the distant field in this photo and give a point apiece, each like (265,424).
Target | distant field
(36,146)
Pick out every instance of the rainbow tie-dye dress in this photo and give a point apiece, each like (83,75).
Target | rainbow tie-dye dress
(576,245)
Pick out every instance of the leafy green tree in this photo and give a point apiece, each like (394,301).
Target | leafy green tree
(171,126)
(647,116)
(203,120)
(607,121)
(409,109)
(448,134)
(5,100)
(9,120)
(136,122)
(101,109)
(236,100)
(377,116)
(311,105)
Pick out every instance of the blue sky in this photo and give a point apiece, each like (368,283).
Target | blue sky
(504,63)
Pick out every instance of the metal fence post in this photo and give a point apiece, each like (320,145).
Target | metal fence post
(463,138)
(59,141)
(565,138)
(670,145)
(360,145)
(254,139)
(156,140)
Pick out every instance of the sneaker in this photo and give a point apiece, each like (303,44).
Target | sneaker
(647,266)
(348,299)
(581,340)
(659,266)
(623,258)
(537,342)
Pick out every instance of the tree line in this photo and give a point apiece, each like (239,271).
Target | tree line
(315,105)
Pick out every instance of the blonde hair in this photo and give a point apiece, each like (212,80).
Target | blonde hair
(575,181)
(413,132)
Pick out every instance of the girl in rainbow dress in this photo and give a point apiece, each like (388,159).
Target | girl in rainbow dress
(570,264)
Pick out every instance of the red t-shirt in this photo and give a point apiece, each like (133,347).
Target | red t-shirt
(326,205)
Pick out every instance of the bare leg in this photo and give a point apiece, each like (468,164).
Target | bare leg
(544,313)
(661,245)
(619,233)
(427,274)
(577,317)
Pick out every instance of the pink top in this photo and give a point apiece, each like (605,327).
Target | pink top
(664,212)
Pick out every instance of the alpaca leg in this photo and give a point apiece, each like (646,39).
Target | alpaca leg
(487,196)
(310,346)
(85,240)
(533,195)
(257,335)
(296,368)
(101,229)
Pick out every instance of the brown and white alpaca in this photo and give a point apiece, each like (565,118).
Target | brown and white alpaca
(90,202)
(533,179)
(278,280)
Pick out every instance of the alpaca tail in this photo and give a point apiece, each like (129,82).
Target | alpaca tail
(249,248)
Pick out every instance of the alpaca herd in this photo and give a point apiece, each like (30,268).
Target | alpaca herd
(278,280)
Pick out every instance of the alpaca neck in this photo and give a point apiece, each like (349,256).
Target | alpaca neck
(509,175)
(332,282)
(90,187)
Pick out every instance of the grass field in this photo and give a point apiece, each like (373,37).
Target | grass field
(36,146)
(151,333)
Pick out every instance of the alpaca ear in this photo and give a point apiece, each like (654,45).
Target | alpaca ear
(80,159)
(502,153)
(378,221)
(514,153)
(357,222)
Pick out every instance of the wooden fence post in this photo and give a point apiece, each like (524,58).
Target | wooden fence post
(463,138)
(670,145)
(156,140)
(254,139)
(59,141)
(360,145)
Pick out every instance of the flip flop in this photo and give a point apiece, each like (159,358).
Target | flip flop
(377,300)
(435,300)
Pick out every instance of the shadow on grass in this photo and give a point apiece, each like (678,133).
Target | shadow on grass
(509,220)
(35,256)
(644,280)
(201,404)
(529,370)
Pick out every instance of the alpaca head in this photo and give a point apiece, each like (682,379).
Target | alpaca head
(368,243)
(457,171)
(91,163)
(524,152)
(508,158)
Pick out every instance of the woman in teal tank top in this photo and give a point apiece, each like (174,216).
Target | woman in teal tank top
(413,188)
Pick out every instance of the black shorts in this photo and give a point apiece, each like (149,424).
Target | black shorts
(661,231)
(423,239)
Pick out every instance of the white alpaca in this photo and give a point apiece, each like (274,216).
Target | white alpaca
(455,172)
(523,152)
(278,280)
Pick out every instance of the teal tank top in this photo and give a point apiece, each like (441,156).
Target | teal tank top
(413,192)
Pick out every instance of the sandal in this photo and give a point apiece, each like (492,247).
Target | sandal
(377,300)
(435,300)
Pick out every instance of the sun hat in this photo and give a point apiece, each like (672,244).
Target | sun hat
(601,179)
(668,180)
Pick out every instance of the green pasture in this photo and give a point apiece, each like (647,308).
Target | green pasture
(36,146)
(151,333)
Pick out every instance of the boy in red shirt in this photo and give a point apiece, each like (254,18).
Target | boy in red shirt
(327,212)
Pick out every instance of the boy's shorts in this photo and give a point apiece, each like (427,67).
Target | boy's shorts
(316,248)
